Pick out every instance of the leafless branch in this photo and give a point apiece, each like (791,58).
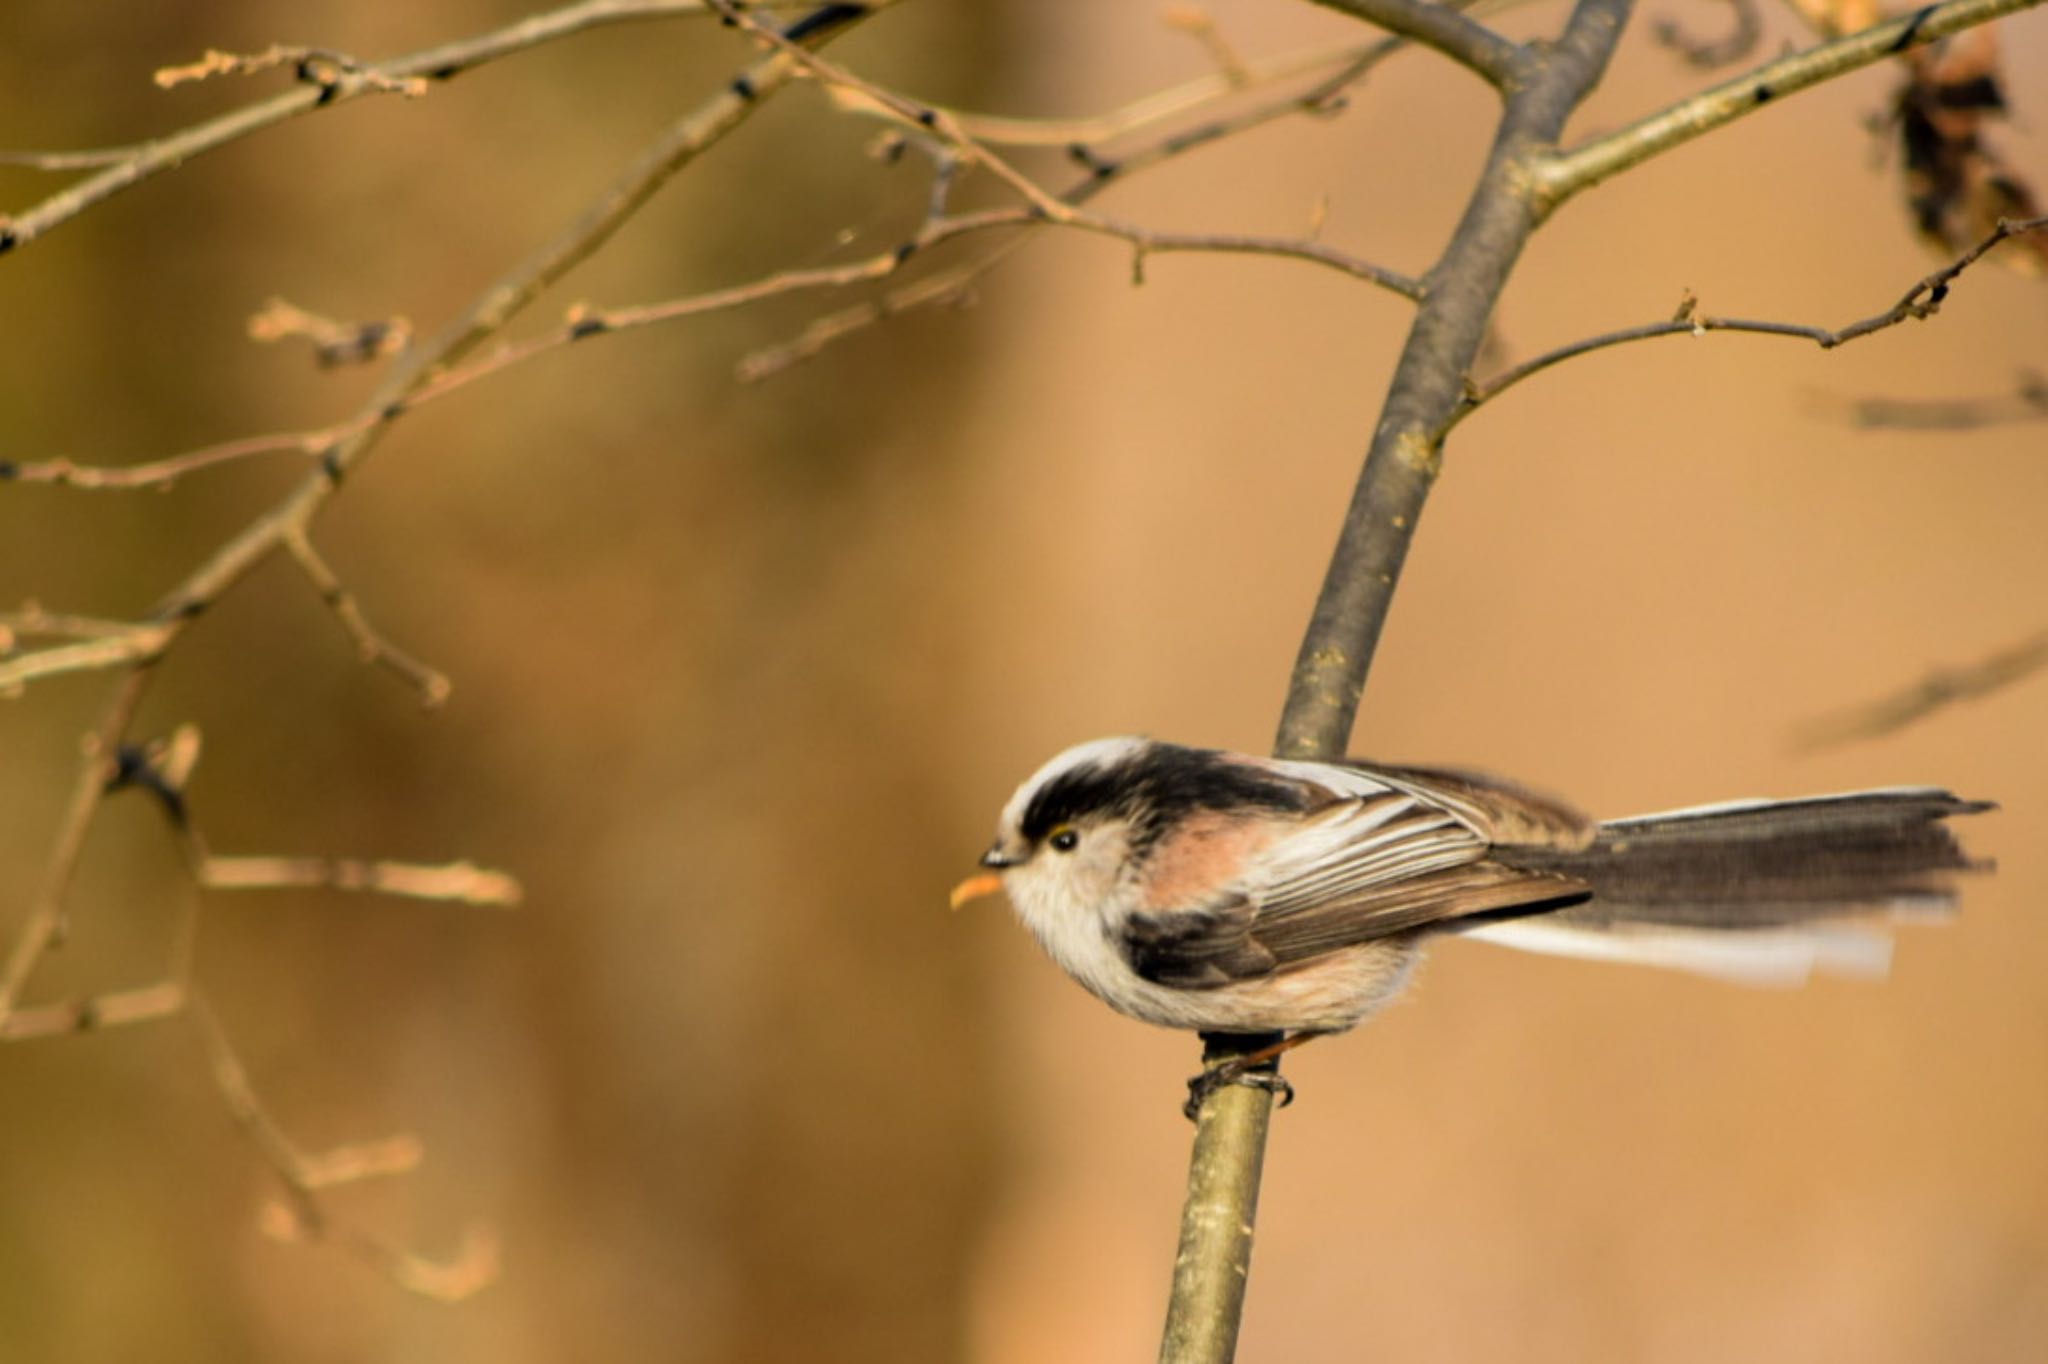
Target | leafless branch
(334,343)
(1937,691)
(1540,91)
(316,65)
(33,622)
(92,1012)
(1918,303)
(156,473)
(954,284)
(463,882)
(2028,401)
(44,924)
(1564,174)
(1201,25)
(277,527)
(432,684)
(109,762)
(1465,41)
(137,644)
(1746,30)
(302,1215)
(125,167)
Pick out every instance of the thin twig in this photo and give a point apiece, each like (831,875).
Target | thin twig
(108,761)
(1201,25)
(93,1012)
(334,343)
(137,644)
(1443,29)
(1746,30)
(680,144)
(2028,402)
(371,646)
(43,927)
(461,882)
(677,147)
(33,622)
(1560,176)
(583,323)
(1936,691)
(954,284)
(126,167)
(156,474)
(1043,203)
(304,1216)
(1921,301)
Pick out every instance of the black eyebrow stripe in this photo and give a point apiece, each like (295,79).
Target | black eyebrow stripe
(1157,785)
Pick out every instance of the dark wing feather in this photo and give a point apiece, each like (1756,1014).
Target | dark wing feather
(1198,948)
(1392,850)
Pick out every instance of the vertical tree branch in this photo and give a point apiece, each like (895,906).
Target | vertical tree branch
(1214,1261)
(1546,82)
(1401,464)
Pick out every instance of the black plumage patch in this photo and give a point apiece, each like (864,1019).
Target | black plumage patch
(1155,787)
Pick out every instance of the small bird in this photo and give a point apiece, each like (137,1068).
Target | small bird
(1195,888)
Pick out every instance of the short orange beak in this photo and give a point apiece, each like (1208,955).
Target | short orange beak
(974,887)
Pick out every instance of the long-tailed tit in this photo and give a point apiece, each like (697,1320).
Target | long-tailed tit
(1200,889)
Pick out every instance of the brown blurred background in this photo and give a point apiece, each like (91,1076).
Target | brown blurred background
(744,672)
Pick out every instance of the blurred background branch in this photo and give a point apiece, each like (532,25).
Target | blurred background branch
(1936,691)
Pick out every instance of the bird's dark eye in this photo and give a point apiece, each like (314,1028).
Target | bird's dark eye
(1064,839)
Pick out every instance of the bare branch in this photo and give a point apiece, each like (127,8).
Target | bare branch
(334,343)
(462,882)
(1403,460)
(158,473)
(303,1216)
(432,684)
(1441,28)
(1329,675)
(1201,25)
(137,644)
(2027,402)
(955,283)
(33,621)
(1921,301)
(1937,691)
(1054,208)
(676,148)
(316,65)
(678,145)
(110,1010)
(126,167)
(44,924)
(358,1161)
(1560,176)
(110,762)
(1745,31)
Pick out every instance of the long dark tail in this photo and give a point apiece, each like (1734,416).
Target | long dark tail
(1748,889)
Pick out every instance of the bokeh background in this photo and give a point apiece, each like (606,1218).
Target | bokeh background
(743,673)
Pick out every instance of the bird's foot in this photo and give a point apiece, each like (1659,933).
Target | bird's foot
(1253,1074)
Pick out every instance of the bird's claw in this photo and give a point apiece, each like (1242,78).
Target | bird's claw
(1201,1086)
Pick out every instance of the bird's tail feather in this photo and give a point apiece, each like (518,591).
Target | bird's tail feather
(1751,890)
